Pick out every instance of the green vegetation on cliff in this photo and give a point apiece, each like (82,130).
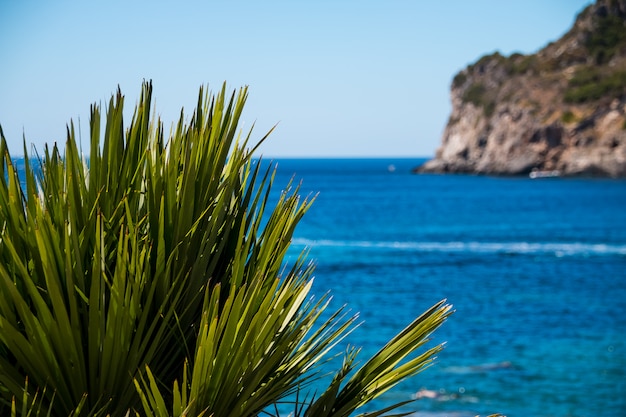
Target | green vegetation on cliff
(608,38)
(478,95)
(591,83)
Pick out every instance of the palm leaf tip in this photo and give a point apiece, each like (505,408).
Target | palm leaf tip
(387,368)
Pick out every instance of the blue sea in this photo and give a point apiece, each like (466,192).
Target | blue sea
(535,269)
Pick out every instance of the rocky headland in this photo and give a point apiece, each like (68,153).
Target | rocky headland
(561,111)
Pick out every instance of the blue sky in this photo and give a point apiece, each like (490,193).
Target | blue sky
(341,78)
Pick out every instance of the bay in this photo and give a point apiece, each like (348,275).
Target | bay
(535,269)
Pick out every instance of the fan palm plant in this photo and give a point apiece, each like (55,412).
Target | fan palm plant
(150,278)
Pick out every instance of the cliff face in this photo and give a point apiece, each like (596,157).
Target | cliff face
(561,110)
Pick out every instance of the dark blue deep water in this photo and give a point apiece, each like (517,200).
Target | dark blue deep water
(535,269)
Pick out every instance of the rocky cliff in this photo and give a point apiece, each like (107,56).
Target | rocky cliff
(560,111)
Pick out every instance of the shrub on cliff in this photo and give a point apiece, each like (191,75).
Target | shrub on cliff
(592,83)
(607,39)
(150,279)
(478,95)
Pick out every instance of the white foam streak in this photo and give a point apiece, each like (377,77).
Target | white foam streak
(558,249)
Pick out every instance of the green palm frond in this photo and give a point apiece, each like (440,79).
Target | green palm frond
(150,278)
(384,370)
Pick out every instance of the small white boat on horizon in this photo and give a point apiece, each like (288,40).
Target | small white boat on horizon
(544,174)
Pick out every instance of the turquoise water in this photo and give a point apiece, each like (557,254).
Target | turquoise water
(536,271)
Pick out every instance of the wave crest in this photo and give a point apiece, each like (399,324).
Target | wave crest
(558,249)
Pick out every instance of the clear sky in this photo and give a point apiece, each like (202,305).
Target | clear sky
(341,78)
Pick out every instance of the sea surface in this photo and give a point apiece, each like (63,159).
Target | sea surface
(535,269)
